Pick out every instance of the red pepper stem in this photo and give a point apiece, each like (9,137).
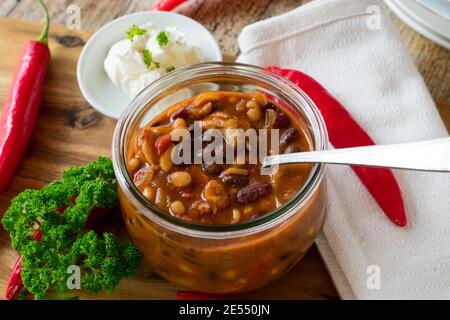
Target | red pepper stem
(43,38)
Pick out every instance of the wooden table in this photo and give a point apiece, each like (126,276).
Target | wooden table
(309,279)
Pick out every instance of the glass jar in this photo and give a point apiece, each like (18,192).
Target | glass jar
(221,259)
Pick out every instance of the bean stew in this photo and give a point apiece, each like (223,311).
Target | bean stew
(217,193)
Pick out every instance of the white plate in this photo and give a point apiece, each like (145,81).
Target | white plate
(427,18)
(95,84)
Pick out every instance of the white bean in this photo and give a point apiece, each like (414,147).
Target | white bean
(177,208)
(180,179)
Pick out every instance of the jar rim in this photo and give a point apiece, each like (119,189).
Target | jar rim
(142,102)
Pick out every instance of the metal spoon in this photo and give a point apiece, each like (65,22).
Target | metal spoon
(431,155)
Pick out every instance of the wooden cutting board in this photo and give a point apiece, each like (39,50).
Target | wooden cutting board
(69,132)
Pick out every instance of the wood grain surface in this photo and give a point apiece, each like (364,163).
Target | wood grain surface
(67,124)
(69,132)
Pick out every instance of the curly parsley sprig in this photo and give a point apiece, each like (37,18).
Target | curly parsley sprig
(162,38)
(134,30)
(64,242)
(148,60)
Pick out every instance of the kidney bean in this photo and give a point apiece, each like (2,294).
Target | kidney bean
(281,120)
(180,113)
(236,180)
(288,136)
(236,177)
(212,169)
(253,192)
(162,143)
(268,106)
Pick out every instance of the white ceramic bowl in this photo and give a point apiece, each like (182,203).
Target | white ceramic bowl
(95,84)
(428,17)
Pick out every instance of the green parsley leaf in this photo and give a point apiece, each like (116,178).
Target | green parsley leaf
(162,39)
(147,57)
(169,69)
(135,31)
(148,60)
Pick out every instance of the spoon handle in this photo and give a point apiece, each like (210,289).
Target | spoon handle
(431,155)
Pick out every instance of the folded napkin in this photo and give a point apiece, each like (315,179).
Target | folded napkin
(354,50)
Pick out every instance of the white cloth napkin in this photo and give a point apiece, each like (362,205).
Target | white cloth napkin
(360,58)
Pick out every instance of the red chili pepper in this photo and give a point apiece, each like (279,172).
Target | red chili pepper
(19,114)
(167,5)
(345,132)
(189,295)
(15,284)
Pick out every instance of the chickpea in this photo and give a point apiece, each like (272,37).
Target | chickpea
(179,123)
(134,163)
(177,208)
(254,114)
(260,98)
(251,104)
(215,192)
(149,193)
(254,110)
(180,179)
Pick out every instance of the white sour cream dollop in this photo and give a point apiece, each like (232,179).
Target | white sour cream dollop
(125,64)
